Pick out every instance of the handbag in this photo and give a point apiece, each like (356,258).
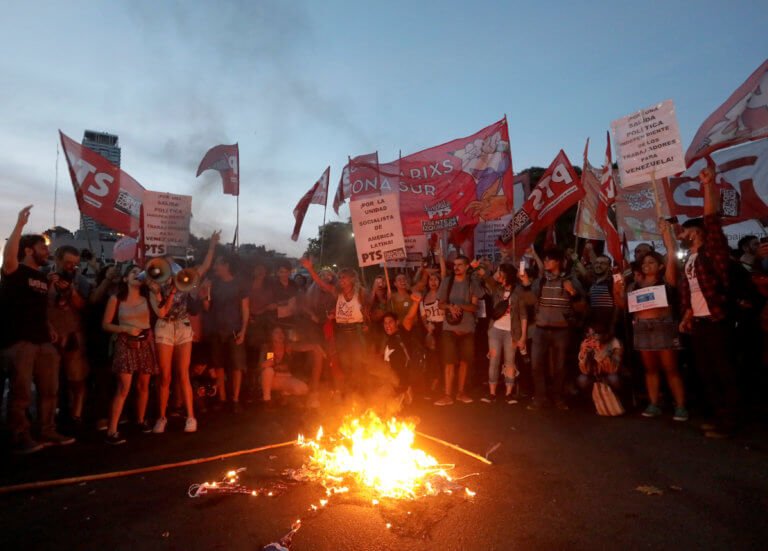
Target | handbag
(501,307)
(606,402)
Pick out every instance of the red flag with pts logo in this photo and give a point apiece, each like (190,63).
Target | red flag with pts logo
(225,159)
(103,191)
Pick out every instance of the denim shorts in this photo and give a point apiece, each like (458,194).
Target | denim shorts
(656,334)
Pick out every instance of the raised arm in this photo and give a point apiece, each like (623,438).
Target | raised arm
(205,266)
(413,312)
(324,285)
(11,251)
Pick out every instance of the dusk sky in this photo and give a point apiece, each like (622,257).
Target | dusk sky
(301,85)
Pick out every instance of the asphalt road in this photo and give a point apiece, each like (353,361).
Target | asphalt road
(560,480)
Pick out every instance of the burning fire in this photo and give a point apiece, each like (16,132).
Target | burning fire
(377,457)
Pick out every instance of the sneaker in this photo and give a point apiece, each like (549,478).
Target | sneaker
(463,398)
(681,414)
(190,425)
(26,444)
(444,401)
(114,438)
(488,398)
(53,438)
(508,399)
(144,427)
(651,411)
(160,425)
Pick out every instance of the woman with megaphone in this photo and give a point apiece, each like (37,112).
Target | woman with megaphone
(173,331)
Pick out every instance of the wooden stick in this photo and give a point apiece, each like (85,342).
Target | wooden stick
(386,276)
(656,194)
(116,474)
(455,447)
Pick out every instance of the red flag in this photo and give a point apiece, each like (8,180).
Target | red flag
(103,191)
(558,189)
(585,225)
(452,185)
(225,159)
(606,214)
(317,194)
(743,117)
(743,168)
(342,192)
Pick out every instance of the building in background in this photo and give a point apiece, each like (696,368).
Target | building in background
(107,146)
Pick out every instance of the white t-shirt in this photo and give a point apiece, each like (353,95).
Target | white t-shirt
(348,311)
(504,323)
(698,301)
(431,312)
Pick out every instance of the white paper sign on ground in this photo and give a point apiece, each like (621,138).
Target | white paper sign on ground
(486,234)
(415,251)
(378,229)
(166,223)
(648,141)
(647,298)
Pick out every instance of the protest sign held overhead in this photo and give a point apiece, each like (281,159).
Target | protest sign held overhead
(317,194)
(416,249)
(743,117)
(103,191)
(225,159)
(558,189)
(452,185)
(648,144)
(378,229)
(166,219)
(486,234)
(637,213)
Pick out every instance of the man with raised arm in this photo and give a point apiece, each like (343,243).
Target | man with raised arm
(27,339)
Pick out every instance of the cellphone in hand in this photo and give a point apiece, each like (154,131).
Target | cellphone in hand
(521,269)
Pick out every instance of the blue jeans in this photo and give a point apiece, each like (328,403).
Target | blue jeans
(500,341)
(550,345)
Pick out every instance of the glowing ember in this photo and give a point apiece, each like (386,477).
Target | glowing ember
(376,456)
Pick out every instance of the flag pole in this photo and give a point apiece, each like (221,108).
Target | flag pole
(56,185)
(322,232)
(656,194)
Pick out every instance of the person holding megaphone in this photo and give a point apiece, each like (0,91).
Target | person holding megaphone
(173,330)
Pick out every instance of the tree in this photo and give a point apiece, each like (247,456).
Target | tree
(335,245)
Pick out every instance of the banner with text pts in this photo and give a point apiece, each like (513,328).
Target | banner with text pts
(166,223)
(378,229)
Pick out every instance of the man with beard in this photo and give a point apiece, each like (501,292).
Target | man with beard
(28,338)
(703,301)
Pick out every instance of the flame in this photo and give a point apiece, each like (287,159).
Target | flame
(375,455)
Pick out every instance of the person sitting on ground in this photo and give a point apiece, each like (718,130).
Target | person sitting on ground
(600,357)
(134,349)
(27,339)
(276,367)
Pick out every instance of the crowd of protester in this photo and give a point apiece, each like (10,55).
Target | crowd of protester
(554,326)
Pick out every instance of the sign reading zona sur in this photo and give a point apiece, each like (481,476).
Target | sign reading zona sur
(378,229)
(648,142)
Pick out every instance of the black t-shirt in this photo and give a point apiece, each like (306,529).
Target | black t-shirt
(24,299)
(395,353)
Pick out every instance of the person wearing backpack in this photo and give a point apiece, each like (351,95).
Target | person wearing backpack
(458,296)
(558,301)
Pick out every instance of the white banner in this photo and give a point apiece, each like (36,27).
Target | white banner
(486,234)
(415,251)
(648,141)
(166,223)
(378,229)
